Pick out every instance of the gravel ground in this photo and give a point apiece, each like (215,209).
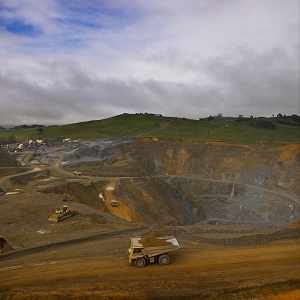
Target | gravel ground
(227,235)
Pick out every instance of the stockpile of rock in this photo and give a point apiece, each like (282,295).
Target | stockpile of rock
(237,236)
(153,241)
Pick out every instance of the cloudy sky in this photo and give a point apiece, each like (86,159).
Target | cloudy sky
(64,61)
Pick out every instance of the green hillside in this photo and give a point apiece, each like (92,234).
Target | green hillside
(233,130)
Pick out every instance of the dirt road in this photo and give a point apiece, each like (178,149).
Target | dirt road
(100,270)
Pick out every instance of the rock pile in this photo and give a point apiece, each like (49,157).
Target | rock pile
(153,241)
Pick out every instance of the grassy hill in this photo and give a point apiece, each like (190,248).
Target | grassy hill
(232,130)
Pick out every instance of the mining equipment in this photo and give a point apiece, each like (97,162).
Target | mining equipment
(64,213)
(4,246)
(151,250)
(77,173)
(114,203)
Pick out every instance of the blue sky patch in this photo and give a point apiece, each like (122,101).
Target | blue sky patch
(18,27)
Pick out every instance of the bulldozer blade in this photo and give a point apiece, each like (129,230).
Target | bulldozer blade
(5,247)
(53,218)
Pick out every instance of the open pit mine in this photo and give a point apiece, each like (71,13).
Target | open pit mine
(234,210)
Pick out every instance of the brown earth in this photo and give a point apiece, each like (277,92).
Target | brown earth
(230,207)
(180,183)
(153,241)
(100,270)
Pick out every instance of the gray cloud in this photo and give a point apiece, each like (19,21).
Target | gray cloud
(258,83)
(242,82)
(190,60)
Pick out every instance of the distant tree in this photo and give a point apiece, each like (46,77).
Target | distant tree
(210,118)
(295,118)
(40,130)
(279,115)
(27,126)
(264,124)
(251,121)
(292,120)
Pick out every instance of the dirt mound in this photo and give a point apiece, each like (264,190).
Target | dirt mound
(93,153)
(97,150)
(296,224)
(86,193)
(153,241)
(7,160)
(9,165)
(235,236)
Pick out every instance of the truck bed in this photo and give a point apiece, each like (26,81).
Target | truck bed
(156,250)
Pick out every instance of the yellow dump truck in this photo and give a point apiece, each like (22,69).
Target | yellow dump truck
(4,246)
(143,251)
(61,214)
(114,203)
(77,173)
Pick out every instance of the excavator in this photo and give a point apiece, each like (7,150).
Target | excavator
(61,214)
(4,245)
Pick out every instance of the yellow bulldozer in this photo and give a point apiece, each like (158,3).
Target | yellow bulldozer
(4,245)
(61,214)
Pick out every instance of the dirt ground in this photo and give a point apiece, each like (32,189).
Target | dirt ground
(161,189)
(100,270)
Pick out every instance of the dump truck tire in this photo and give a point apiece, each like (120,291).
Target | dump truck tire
(140,262)
(164,259)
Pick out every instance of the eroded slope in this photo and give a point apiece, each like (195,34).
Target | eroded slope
(173,182)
